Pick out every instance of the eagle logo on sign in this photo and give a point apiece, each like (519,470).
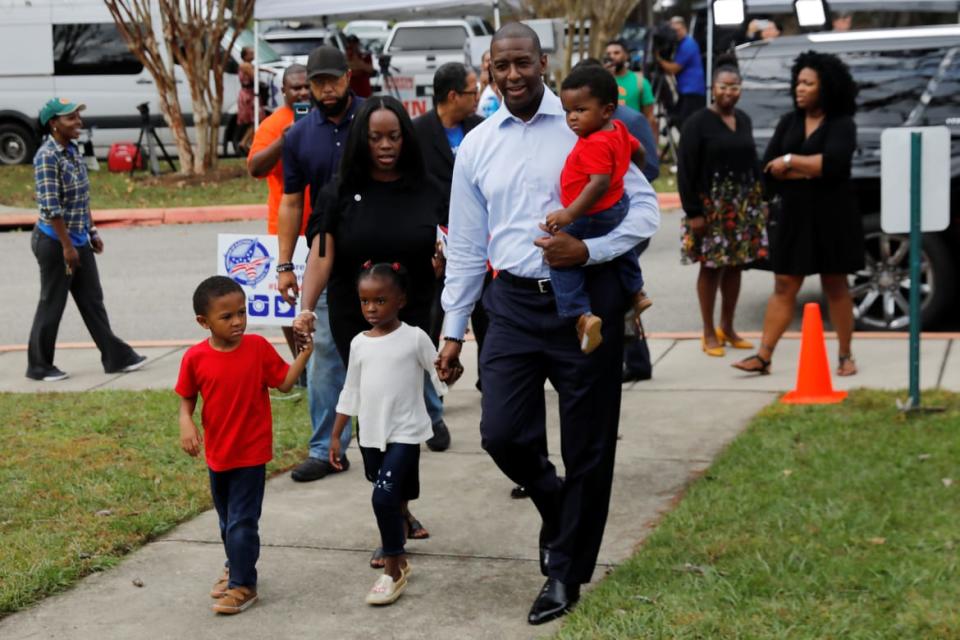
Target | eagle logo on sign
(247,261)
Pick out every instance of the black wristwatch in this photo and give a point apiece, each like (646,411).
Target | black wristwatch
(283,267)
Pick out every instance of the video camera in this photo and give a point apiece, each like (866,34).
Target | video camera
(665,41)
(384,60)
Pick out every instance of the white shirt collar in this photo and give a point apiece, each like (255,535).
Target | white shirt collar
(549,106)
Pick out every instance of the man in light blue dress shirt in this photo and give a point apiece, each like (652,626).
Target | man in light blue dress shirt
(505,180)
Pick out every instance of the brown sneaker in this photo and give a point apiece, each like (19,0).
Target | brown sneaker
(220,586)
(235,600)
(588,331)
(641,302)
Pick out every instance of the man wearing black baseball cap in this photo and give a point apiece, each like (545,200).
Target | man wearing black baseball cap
(311,154)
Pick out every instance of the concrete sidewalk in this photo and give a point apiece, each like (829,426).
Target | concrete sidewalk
(477,575)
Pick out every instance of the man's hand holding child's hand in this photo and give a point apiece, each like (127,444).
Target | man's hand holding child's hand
(305,344)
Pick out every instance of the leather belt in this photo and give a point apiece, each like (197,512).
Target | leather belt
(539,285)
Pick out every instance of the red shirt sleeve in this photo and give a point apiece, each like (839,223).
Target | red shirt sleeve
(597,156)
(275,368)
(186,381)
(634,144)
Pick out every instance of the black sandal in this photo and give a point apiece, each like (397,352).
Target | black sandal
(844,359)
(378,560)
(764,365)
(415,530)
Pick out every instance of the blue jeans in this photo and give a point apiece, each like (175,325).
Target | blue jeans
(325,376)
(569,282)
(238,498)
(432,399)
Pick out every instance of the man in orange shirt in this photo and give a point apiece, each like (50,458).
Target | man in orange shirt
(265,158)
(266,155)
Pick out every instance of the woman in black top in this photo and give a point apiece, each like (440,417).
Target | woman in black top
(377,214)
(725,227)
(818,228)
(382,207)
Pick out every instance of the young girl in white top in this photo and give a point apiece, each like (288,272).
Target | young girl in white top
(384,389)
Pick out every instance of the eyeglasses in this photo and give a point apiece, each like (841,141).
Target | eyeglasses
(733,88)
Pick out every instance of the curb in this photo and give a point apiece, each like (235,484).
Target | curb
(115,218)
(652,335)
(151,217)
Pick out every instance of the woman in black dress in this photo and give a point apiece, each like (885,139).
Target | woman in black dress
(382,207)
(818,228)
(725,227)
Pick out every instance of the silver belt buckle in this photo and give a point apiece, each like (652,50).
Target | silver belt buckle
(543,285)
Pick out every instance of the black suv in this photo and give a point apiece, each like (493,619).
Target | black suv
(907,77)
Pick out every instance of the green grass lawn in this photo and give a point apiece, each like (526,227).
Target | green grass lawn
(818,522)
(229,184)
(87,477)
(666,182)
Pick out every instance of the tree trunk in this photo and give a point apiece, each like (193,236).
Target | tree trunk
(606,21)
(195,34)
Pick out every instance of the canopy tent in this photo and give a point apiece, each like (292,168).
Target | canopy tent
(786,6)
(277,9)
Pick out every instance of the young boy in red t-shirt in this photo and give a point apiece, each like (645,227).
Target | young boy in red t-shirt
(591,192)
(233,373)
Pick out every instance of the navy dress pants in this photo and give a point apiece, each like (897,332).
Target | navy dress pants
(526,344)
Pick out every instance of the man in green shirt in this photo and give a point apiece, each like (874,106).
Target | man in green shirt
(635,90)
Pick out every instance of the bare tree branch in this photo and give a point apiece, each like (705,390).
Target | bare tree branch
(195,38)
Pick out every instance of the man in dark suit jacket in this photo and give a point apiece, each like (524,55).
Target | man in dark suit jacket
(441,130)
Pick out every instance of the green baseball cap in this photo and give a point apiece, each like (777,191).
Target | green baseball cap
(59,107)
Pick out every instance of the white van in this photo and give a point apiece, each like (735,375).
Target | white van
(72,49)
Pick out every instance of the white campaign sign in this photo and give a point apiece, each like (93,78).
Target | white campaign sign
(895,179)
(405,89)
(251,261)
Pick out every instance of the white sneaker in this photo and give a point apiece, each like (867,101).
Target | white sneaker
(385,590)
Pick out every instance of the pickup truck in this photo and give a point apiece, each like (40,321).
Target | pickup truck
(416,48)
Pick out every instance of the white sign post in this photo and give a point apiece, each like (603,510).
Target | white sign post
(920,158)
(251,261)
(895,159)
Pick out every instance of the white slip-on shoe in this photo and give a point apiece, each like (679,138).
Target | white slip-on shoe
(385,590)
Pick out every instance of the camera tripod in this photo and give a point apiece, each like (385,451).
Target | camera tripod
(388,85)
(147,131)
(664,95)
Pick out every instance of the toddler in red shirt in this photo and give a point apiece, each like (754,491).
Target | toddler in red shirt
(591,192)
(233,373)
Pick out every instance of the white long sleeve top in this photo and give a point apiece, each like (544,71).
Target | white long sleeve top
(384,386)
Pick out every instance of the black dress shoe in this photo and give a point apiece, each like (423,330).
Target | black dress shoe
(519,493)
(315,469)
(555,599)
(441,437)
(634,376)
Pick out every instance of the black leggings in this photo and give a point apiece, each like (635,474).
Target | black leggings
(395,474)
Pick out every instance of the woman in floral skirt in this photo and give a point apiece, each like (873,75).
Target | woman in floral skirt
(725,224)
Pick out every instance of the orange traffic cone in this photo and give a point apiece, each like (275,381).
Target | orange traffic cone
(814,385)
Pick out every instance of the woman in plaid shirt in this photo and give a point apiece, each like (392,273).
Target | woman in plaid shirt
(64,241)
